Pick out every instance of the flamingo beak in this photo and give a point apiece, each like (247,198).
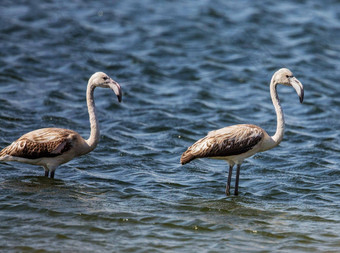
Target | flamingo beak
(116,89)
(298,87)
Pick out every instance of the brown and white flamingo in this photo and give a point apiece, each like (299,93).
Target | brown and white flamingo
(235,143)
(50,147)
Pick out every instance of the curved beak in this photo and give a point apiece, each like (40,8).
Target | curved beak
(116,89)
(298,87)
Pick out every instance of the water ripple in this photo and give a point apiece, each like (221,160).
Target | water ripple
(185,69)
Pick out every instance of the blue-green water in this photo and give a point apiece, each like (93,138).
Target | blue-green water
(185,67)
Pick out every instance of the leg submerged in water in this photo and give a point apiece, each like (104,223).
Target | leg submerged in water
(237,178)
(227,189)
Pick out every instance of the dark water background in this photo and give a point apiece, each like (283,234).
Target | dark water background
(186,67)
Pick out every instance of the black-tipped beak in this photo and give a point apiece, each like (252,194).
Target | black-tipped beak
(298,87)
(116,89)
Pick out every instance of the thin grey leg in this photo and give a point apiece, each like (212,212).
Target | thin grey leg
(46,173)
(237,178)
(52,174)
(227,189)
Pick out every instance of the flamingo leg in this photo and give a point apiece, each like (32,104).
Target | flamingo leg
(237,178)
(46,173)
(52,174)
(227,189)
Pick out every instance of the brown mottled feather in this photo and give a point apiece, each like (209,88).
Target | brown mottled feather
(228,141)
(46,142)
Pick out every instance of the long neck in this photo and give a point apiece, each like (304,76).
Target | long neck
(277,137)
(93,140)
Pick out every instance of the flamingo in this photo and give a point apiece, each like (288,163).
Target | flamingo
(51,147)
(238,142)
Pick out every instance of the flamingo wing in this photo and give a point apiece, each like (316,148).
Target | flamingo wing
(228,141)
(46,142)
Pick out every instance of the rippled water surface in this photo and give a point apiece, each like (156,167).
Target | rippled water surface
(185,67)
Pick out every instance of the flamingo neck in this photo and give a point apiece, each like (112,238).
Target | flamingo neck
(93,140)
(278,136)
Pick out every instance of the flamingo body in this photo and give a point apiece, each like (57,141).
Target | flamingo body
(236,143)
(51,147)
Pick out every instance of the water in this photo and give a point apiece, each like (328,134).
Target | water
(185,69)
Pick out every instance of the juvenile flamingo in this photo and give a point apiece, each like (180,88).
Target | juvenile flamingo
(50,147)
(235,143)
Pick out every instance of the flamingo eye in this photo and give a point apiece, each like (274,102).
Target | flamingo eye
(105,78)
(287,76)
